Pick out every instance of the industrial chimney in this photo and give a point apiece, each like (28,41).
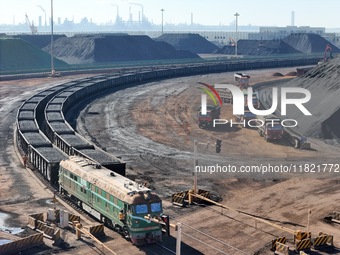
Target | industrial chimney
(293,18)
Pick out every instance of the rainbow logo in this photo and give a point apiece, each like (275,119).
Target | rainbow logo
(210,91)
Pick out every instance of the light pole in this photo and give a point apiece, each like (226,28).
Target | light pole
(162,10)
(52,60)
(196,143)
(236,39)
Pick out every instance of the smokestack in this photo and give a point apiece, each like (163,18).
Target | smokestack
(293,19)
(192,18)
(44,13)
(140,5)
(130,14)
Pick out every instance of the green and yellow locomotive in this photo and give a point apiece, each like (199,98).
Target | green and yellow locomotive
(115,200)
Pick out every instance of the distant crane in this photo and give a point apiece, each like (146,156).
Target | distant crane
(33,28)
(328,48)
(231,42)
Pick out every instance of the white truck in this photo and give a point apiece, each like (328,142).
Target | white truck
(242,80)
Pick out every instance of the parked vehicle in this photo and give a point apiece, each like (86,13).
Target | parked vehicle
(248,118)
(270,127)
(206,120)
(255,100)
(242,80)
(225,95)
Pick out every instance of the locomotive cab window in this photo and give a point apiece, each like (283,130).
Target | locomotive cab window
(156,207)
(141,209)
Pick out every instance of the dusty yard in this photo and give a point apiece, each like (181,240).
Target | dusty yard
(152,127)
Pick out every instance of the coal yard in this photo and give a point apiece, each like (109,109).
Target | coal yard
(117,160)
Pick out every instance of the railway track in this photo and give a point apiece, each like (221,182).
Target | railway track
(197,238)
(50,127)
(158,249)
(38,160)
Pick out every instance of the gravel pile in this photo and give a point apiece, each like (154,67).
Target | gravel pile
(88,49)
(191,42)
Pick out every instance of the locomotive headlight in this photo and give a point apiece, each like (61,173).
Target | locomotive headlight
(137,221)
(147,195)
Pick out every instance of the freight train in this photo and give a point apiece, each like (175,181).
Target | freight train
(112,198)
(38,139)
(45,137)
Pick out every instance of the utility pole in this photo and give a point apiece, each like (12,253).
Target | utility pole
(236,15)
(52,60)
(308,219)
(162,10)
(195,163)
(178,238)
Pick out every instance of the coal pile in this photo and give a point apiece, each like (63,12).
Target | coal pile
(76,141)
(51,154)
(88,49)
(28,126)
(16,55)
(309,43)
(258,48)
(192,42)
(39,41)
(324,105)
(37,140)
(61,128)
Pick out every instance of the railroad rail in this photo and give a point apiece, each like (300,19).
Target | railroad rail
(302,239)
(282,61)
(41,130)
(45,136)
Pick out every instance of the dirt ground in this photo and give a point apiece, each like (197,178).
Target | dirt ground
(152,127)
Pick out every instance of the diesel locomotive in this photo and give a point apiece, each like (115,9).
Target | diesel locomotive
(117,201)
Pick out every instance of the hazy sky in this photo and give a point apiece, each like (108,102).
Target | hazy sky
(322,13)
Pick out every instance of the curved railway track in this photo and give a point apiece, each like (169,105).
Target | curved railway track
(45,135)
(42,127)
